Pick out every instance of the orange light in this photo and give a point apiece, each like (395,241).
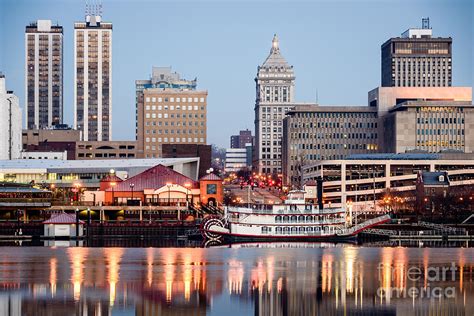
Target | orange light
(113,183)
(187,185)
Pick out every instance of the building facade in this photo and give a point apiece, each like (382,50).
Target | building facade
(417,59)
(237,159)
(106,150)
(363,179)
(312,133)
(55,141)
(240,141)
(430,126)
(169,111)
(204,152)
(43,74)
(275,84)
(93,78)
(10,123)
(87,173)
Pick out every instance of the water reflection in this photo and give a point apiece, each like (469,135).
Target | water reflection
(260,280)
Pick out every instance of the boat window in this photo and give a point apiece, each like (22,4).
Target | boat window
(301,229)
(301,219)
(278,219)
(293,219)
(285,219)
(309,219)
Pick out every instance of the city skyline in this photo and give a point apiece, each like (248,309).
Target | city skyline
(317,72)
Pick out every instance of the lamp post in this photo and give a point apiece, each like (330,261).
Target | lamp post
(112,185)
(169,193)
(187,186)
(132,185)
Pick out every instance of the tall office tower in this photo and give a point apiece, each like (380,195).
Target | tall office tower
(275,83)
(93,76)
(417,59)
(169,111)
(43,74)
(10,123)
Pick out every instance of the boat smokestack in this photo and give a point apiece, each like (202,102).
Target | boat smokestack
(319,182)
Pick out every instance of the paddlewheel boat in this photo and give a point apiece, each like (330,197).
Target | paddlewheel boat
(294,220)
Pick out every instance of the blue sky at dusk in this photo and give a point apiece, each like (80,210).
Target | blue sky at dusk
(334,47)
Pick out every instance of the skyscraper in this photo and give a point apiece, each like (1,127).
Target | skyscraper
(43,74)
(275,83)
(93,76)
(10,123)
(417,59)
(169,111)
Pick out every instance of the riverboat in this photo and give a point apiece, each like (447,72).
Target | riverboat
(293,220)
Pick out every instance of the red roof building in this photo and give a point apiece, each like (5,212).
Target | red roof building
(159,185)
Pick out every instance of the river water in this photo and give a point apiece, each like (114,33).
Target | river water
(246,279)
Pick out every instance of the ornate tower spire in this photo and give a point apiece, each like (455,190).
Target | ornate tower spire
(275,43)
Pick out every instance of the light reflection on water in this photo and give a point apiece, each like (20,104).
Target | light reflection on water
(270,280)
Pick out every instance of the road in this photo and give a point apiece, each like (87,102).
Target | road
(257,195)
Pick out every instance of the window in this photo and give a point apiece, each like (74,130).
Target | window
(211,189)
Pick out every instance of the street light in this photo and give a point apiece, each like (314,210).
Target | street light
(113,184)
(187,186)
(169,193)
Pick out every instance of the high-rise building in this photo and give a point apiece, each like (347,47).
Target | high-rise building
(312,133)
(240,141)
(43,74)
(417,59)
(10,123)
(169,111)
(275,83)
(93,77)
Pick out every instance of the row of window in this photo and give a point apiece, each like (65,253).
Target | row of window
(172,140)
(173,107)
(297,230)
(333,136)
(160,99)
(172,123)
(166,115)
(173,131)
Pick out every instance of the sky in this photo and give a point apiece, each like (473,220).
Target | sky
(334,47)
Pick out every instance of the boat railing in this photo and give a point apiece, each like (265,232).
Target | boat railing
(368,223)
(290,209)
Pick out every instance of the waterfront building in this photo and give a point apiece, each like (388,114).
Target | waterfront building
(169,111)
(396,120)
(429,126)
(240,141)
(238,159)
(43,74)
(93,77)
(86,173)
(117,149)
(312,133)
(451,106)
(363,179)
(163,186)
(275,84)
(10,123)
(417,59)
